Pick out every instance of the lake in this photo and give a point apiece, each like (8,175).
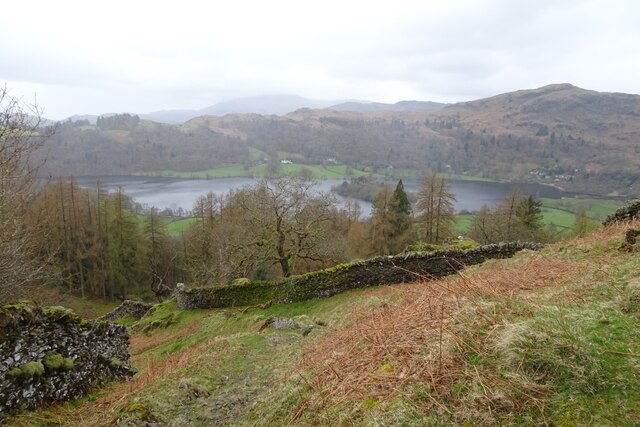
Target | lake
(174,193)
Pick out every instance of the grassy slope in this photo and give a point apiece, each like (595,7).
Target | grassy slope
(178,226)
(550,337)
(237,170)
(596,209)
(89,308)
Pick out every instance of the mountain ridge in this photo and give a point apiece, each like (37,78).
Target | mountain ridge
(560,134)
(276,104)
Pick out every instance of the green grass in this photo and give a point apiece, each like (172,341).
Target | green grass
(118,133)
(596,209)
(178,226)
(322,172)
(223,363)
(88,308)
(463,223)
(295,157)
(562,219)
(565,355)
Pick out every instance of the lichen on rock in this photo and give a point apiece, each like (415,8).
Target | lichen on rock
(51,354)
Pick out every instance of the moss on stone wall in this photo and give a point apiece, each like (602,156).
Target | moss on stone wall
(407,267)
(51,354)
(27,370)
(57,361)
(134,309)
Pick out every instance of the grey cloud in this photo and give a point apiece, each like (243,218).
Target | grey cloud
(190,57)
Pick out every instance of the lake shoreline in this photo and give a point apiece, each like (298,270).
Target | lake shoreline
(175,193)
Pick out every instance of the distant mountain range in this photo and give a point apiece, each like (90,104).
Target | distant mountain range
(272,105)
(578,139)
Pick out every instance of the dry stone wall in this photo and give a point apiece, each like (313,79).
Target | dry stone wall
(624,214)
(408,267)
(50,354)
(135,309)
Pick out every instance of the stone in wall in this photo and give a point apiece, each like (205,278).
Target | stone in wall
(50,354)
(135,309)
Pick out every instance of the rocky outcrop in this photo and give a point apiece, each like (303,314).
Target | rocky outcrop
(624,214)
(408,267)
(135,309)
(50,354)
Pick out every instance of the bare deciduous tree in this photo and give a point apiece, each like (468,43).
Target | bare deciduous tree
(20,136)
(285,223)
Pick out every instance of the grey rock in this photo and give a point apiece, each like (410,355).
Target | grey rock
(35,334)
(306,330)
(280,324)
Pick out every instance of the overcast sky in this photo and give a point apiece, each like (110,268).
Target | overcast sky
(88,57)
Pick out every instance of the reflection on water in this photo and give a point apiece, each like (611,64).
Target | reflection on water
(174,193)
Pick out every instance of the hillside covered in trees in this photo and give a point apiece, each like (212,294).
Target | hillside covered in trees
(578,139)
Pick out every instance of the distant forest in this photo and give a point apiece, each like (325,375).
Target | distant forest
(500,138)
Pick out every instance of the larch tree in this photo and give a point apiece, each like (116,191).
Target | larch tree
(161,254)
(507,210)
(21,135)
(435,209)
(126,251)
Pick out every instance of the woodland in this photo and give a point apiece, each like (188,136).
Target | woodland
(100,243)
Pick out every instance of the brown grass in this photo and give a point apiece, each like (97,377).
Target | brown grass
(102,411)
(152,368)
(107,407)
(602,234)
(414,341)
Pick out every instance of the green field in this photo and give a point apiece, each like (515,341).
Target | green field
(559,218)
(596,209)
(238,170)
(178,226)
(560,212)
(225,171)
(463,223)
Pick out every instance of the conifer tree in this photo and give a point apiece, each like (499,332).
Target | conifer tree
(435,207)
(380,223)
(399,232)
